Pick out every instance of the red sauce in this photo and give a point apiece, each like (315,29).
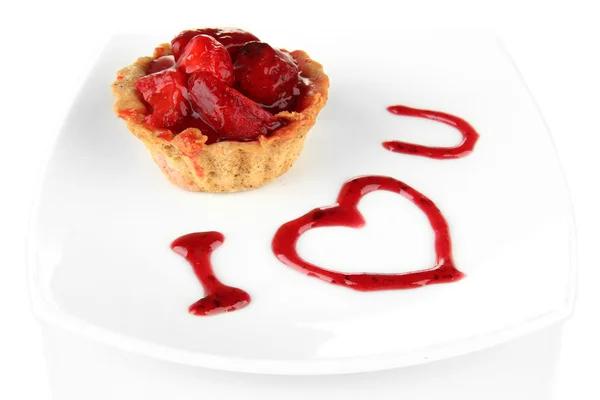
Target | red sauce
(304,95)
(193,121)
(160,63)
(345,213)
(219,298)
(136,115)
(470,136)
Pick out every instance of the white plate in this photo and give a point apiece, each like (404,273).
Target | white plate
(99,248)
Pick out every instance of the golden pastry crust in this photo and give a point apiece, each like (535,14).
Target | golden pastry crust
(227,166)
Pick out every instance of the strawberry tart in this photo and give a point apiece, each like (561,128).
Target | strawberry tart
(220,110)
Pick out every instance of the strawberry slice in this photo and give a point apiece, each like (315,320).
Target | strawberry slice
(204,53)
(233,39)
(160,64)
(266,75)
(227,111)
(166,94)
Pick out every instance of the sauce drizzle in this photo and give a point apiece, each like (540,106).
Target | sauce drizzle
(345,213)
(470,136)
(197,248)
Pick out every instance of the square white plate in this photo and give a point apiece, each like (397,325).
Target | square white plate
(99,247)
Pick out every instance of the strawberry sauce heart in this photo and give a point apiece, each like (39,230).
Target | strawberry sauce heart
(470,136)
(220,298)
(345,213)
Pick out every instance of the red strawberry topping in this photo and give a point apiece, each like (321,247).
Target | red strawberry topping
(198,86)
(160,64)
(227,111)
(233,39)
(166,93)
(205,54)
(266,75)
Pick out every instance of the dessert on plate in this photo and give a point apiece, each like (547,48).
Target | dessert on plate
(220,110)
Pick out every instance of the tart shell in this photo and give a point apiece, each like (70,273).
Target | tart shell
(227,166)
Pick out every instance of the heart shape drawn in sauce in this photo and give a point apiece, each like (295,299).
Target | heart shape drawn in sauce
(345,213)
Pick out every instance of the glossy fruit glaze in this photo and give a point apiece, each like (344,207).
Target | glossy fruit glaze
(345,213)
(227,111)
(198,87)
(218,298)
(232,38)
(205,54)
(266,75)
(161,91)
(160,64)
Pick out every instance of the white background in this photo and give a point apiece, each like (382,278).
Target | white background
(48,46)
